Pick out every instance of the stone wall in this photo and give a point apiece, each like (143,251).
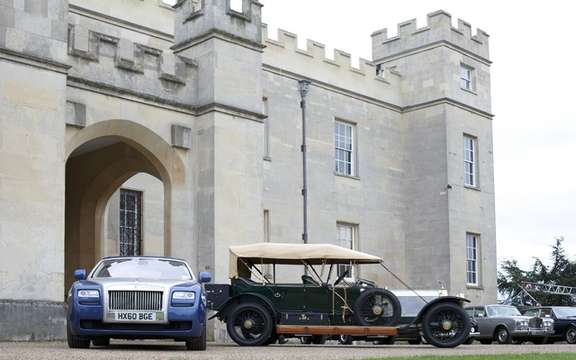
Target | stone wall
(192,92)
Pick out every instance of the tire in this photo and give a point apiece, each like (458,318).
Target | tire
(438,318)
(486,342)
(76,342)
(377,307)
(101,342)
(250,324)
(282,340)
(197,344)
(502,336)
(571,335)
(319,339)
(306,340)
(346,339)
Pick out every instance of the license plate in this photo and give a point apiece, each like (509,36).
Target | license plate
(134,316)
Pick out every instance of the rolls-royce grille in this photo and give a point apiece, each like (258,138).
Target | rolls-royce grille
(135,300)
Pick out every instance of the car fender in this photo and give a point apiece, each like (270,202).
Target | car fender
(440,300)
(223,311)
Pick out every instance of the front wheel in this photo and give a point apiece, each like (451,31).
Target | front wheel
(76,342)
(502,336)
(446,325)
(197,344)
(250,324)
(571,335)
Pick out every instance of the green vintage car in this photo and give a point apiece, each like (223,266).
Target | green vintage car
(325,303)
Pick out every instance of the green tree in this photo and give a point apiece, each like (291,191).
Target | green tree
(562,271)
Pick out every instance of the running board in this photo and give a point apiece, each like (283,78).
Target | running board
(337,330)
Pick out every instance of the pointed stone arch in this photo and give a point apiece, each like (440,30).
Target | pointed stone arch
(99,159)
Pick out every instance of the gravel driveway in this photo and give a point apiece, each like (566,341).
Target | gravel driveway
(169,350)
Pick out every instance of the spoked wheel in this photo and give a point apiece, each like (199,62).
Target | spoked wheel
(377,307)
(250,324)
(446,325)
(571,336)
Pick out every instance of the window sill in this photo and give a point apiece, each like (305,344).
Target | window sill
(475,188)
(469,91)
(346,176)
(474,287)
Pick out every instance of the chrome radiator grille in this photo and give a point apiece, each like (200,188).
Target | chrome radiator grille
(135,300)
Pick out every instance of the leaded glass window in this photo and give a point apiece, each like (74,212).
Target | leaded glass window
(130,223)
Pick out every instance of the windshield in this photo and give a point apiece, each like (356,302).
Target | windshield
(503,311)
(563,312)
(143,268)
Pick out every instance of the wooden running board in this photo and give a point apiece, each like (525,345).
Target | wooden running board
(337,330)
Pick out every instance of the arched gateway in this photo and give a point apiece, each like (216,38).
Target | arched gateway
(100,158)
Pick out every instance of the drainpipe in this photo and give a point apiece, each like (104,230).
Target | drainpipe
(304,88)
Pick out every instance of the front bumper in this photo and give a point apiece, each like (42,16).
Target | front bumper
(528,333)
(182,323)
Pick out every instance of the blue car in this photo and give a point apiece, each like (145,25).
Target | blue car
(137,298)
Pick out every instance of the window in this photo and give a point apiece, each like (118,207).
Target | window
(466,77)
(346,238)
(472,243)
(470,162)
(344,142)
(130,223)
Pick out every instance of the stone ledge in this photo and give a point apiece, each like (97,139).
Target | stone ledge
(32,320)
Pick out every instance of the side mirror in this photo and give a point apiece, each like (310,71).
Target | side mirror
(204,277)
(80,274)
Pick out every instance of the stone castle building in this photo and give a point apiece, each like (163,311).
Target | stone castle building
(134,127)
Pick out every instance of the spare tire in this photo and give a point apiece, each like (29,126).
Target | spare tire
(377,307)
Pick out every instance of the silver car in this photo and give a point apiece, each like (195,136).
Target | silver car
(504,324)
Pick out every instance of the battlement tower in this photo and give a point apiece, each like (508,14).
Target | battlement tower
(445,94)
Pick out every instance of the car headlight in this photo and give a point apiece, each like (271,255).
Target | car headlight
(522,323)
(89,294)
(188,296)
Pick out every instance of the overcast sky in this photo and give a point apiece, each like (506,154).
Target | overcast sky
(533,47)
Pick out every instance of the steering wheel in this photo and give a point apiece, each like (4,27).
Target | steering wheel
(341,277)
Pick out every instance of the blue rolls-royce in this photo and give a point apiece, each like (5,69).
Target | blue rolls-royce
(137,298)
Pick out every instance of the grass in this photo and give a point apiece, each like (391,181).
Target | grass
(560,356)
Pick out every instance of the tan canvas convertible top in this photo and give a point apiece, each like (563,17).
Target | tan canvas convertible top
(294,254)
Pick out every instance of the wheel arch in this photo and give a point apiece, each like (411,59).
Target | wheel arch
(222,313)
(443,300)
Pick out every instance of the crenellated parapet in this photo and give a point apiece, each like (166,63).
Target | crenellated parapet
(198,20)
(438,30)
(313,63)
(124,64)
